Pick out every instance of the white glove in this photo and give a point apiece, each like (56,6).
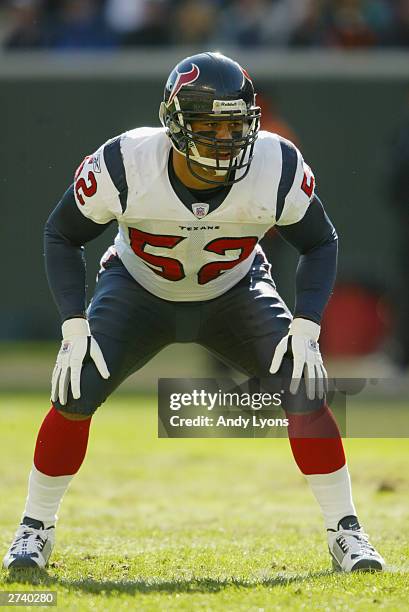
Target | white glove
(306,357)
(75,333)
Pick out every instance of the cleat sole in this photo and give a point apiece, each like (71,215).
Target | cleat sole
(367,565)
(23,562)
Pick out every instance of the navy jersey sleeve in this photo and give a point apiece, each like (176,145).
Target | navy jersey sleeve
(65,233)
(317,242)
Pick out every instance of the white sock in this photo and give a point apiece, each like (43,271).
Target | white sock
(44,496)
(333,493)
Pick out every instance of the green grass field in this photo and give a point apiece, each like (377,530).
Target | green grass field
(153,524)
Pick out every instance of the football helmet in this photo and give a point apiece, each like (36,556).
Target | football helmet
(210,87)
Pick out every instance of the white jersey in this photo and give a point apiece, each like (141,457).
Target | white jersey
(187,254)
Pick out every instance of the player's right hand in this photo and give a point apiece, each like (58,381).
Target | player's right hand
(67,370)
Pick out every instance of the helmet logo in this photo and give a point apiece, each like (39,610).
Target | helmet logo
(184,78)
(234,106)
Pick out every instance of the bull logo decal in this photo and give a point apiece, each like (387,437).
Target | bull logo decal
(184,78)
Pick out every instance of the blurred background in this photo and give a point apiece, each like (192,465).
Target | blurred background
(332,76)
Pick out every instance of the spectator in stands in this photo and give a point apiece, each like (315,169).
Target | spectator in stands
(154,31)
(194,22)
(345,23)
(124,16)
(140,22)
(313,28)
(254,23)
(400,36)
(29,26)
(282,19)
(94,24)
(356,23)
(80,24)
(242,23)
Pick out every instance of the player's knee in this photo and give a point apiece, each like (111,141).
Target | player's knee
(293,403)
(74,410)
(92,396)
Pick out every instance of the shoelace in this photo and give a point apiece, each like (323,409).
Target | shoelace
(358,541)
(28,541)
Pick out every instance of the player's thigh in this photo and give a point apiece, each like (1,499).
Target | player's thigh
(130,326)
(244,325)
(244,330)
(124,310)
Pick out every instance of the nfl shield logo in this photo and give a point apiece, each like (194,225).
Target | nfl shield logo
(200,210)
(96,163)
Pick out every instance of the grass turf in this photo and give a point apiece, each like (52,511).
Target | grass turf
(216,524)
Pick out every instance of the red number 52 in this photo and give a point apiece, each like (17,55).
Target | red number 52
(172,269)
(83,188)
(307,184)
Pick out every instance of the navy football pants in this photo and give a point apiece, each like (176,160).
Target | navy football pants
(241,327)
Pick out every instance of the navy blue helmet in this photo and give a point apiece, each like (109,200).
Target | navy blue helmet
(212,87)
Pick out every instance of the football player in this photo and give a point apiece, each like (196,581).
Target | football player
(192,199)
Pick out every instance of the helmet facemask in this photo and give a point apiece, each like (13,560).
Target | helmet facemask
(224,156)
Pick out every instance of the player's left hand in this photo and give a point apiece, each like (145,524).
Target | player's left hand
(307,358)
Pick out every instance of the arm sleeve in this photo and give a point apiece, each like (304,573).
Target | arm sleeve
(316,240)
(65,233)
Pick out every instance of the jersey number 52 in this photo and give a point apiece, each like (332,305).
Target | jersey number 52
(172,269)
